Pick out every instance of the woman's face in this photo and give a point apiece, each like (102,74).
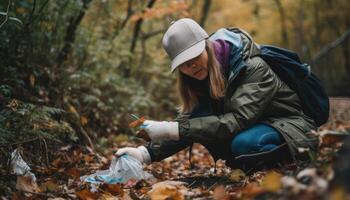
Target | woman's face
(196,67)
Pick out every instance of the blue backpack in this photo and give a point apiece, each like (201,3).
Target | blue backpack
(288,67)
(298,76)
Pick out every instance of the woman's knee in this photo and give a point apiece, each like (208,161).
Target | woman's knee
(241,144)
(258,138)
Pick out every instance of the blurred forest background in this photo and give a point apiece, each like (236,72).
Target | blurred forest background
(73,70)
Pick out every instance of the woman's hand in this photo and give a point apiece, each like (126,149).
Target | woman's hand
(140,153)
(161,130)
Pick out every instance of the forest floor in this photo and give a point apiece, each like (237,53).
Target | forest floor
(174,179)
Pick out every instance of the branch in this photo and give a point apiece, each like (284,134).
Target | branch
(32,12)
(326,49)
(138,27)
(128,14)
(70,34)
(205,11)
(151,34)
(283,22)
(7,14)
(38,14)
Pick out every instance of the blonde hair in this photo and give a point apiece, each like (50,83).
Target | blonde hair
(191,89)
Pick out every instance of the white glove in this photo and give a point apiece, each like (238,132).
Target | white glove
(140,153)
(161,130)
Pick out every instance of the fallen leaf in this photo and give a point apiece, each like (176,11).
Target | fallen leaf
(72,109)
(251,190)
(167,190)
(74,172)
(329,138)
(220,193)
(237,175)
(49,186)
(114,189)
(107,196)
(83,120)
(27,184)
(272,181)
(86,194)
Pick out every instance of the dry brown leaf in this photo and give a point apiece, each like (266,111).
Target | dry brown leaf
(86,194)
(56,162)
(220,193)
(331,138)
(74,172)
(83,120)
(27,184)
(107,196)
(114,189)
(251,190)
(167,190)
(88,158)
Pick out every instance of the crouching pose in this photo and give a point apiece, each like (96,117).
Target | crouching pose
(232,103)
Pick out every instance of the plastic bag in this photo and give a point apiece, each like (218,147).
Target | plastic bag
(121,170)
(19,166)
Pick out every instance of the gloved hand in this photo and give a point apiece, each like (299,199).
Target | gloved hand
(140,153)
(161,130)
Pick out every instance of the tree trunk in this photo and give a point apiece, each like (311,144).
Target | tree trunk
(205,12)
(284,34)
(70,34)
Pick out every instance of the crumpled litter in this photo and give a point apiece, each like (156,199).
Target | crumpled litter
(121,170)
(19,166)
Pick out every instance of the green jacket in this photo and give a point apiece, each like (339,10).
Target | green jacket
(254,94)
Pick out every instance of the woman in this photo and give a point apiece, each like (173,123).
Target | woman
(231,102)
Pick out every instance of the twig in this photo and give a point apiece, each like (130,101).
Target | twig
(38,14)
(32,12)
(128,14)
(46,152)
(192,183)
(7,14)
(137,27)
(330,46)
(209,188)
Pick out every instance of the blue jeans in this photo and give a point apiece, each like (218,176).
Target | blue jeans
(258,138)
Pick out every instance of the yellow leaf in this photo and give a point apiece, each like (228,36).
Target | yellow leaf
(272,181)
(237,175)
(83,120)
(49,186)
(72,109)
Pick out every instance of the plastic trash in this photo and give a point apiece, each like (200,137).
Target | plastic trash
(121,170)
(19,166)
